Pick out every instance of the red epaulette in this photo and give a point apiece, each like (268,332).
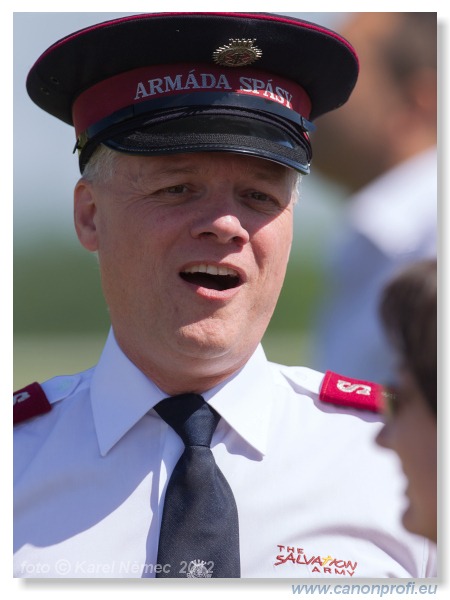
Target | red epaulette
(29,402)
(352,393)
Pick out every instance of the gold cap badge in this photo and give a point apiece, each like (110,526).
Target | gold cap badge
(238,53)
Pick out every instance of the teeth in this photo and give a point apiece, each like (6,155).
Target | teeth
(211,270)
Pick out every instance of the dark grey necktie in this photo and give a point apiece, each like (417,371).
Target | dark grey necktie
(199,530)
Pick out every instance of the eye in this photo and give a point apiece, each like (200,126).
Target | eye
(263,201)
(173,193)
(261,197)
(175,189)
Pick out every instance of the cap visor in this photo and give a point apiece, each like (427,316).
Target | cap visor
(242,134)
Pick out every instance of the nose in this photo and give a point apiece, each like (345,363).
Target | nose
(218,218)
(382,438)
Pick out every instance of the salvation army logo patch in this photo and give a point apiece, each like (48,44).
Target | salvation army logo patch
(325,563)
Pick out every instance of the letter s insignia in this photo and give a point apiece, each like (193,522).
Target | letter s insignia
(29,402)
(351,393)
(20,397)
(349,387)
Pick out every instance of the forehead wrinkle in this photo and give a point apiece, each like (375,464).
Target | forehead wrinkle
(272,175)
(164,170)
(141,174)
(256,168)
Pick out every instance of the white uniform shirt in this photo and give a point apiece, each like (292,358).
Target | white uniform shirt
(315,496)
(390,223)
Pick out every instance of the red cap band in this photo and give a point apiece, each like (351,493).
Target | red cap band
(159,82)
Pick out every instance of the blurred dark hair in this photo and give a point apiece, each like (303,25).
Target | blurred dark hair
(412,45)
(409,313)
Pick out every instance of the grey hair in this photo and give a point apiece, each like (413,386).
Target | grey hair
(101,165)
(297,187)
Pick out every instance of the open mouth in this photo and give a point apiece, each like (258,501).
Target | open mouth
(211,277)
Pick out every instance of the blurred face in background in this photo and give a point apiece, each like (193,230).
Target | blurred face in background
(408,311)
(347,145)
(411,431)
(391,114)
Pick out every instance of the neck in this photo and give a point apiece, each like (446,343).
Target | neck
(179,375)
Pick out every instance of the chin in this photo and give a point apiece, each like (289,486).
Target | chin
(421,522)
(200,341)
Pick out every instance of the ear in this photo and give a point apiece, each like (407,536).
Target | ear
(85,215)
(423,91)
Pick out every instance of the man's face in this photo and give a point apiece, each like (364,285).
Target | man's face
(193,250)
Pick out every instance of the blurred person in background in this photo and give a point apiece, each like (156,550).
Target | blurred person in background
(381,147)
(409,316)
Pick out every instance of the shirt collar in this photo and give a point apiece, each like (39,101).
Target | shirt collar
(245,401)
(121,395)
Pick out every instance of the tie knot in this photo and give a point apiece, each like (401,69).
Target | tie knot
(190,417)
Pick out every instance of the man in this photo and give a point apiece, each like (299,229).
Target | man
(190,153)
(382,148)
